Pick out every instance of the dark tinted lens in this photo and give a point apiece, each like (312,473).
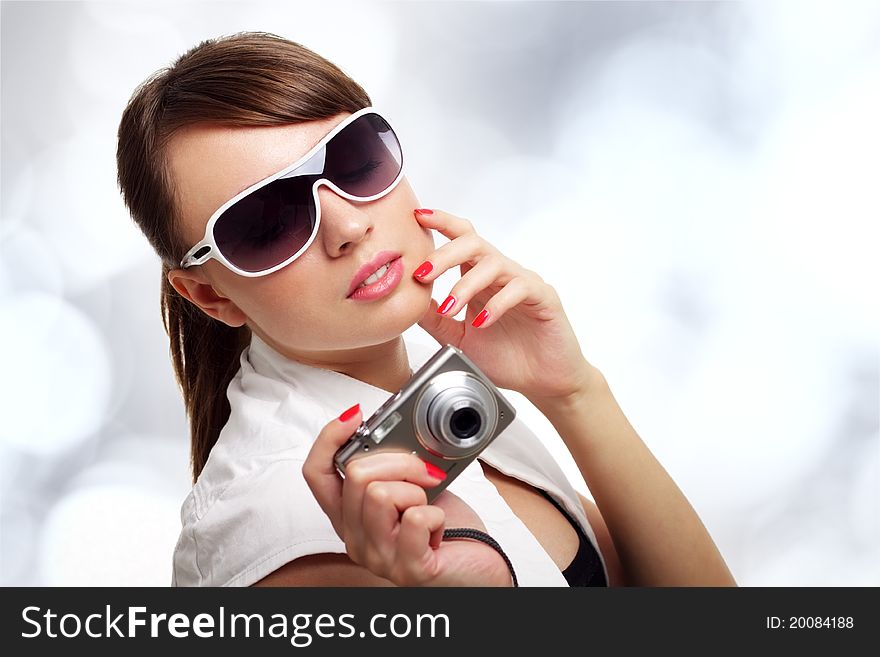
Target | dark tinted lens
(267,227)
(365,157)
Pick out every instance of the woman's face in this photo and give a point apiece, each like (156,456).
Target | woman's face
(303,309)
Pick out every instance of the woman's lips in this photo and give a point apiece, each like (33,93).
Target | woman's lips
(384,286)
(378,261)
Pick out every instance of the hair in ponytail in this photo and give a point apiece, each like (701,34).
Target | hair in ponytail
(246,79)
(205,354)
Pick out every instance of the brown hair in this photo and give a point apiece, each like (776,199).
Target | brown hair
(246,79)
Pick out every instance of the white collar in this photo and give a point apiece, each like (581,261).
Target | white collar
(325,386)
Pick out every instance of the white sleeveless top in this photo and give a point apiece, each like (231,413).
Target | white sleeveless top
(251,511)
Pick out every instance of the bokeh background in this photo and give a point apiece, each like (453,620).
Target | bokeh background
(699,181)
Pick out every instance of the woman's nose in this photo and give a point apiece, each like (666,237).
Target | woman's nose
(343,222)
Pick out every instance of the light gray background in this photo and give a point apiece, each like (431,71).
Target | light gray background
(698,180)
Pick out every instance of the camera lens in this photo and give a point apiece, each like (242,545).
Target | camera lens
(464,423)
(456,414)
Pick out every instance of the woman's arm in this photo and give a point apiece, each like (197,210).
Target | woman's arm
(517,332)
(323,570)
(658,536)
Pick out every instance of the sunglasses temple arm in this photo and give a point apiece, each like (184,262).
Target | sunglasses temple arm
(190,259)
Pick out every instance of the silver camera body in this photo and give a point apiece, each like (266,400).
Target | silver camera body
(446,414)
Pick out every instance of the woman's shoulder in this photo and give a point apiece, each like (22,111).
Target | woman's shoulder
(257,523)
(251,511)
(268,422)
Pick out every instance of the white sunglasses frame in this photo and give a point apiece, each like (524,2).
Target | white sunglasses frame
(190,259)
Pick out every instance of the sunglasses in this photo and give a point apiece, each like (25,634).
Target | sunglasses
(272,222)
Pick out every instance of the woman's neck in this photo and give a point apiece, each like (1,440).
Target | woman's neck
(384,365)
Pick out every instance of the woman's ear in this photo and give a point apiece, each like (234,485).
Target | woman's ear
(193,286)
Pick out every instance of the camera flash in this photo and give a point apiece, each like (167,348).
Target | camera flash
(387,425)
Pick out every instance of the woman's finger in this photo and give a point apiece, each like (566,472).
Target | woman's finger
(319,469)
(417,561)
(520,291)
(488,271)
(387,466)
(445,223)
(444,329)
(468,249)
(384,502)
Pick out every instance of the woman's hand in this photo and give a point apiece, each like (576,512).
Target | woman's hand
(524,341)
(380,510)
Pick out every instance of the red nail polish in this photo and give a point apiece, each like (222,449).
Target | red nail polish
(434,471)
(424,211)
(478,322)
(424,269)
(450,301)
(350,413)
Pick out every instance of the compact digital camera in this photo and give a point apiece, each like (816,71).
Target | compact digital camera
(446,414)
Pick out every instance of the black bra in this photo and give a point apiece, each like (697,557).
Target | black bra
(586,567)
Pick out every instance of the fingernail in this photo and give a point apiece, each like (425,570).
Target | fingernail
(350,413)
(450,301)
(424,211)
(434,471)
(478,321)
(424,269)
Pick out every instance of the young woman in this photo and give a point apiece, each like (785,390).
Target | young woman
(294,255)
